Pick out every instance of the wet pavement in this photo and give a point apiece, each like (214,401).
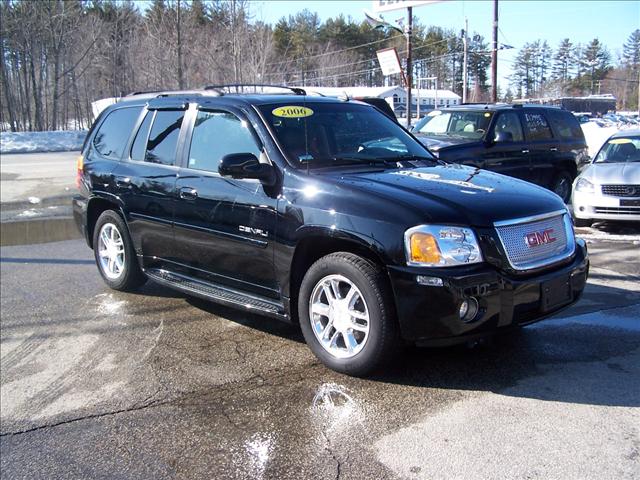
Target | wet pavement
(102,384)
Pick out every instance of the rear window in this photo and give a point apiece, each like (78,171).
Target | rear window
(112,136)
(163,138)
(537,126)
(565,124)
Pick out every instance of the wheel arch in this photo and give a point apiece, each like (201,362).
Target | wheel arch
(95,207)
(317,243)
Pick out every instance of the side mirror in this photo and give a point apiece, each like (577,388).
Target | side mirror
(246,165)
(502,137)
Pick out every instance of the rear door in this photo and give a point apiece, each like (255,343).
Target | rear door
(146,182)
(510,157)
(224,228)
(542,146)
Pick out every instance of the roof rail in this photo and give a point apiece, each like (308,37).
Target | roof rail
(142,92)
(245,88)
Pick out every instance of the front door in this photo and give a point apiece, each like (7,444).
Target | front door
(224,228)
(511,156)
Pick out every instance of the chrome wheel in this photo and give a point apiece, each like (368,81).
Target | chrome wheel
(339,316)
(562,187)
(111,251)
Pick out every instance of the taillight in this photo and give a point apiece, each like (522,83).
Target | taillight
(79,170)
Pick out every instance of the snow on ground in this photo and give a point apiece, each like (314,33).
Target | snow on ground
(25,142)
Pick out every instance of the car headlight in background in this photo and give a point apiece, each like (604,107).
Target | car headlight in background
(441,246)
(585,186)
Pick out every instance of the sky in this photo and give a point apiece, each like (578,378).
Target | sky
(519,21)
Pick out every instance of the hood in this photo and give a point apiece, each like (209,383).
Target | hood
(436,143)
(616,173)
(452,194)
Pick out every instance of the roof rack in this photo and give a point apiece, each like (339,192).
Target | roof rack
(246,88)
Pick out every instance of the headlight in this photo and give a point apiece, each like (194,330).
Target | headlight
(441,246)
(584,185)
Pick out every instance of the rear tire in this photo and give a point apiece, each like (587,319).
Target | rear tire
(114,253)
(561,185)
(347,315)
(582,222)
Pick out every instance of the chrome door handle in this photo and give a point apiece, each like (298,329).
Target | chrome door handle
(188,193)
(554,149)
(526,150)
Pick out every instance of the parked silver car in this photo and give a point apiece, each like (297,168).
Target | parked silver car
(609,188)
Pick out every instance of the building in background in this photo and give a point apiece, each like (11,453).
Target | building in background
(593,104)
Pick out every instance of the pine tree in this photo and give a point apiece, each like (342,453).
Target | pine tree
(563,60)
(631,51)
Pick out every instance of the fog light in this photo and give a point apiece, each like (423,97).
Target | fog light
(468,309)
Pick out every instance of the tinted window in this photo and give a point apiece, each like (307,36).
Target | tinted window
(565,124)
(509,123)
(163,139)
(113,135)
(140,143)
(217,134)
(537,126)
(459,124)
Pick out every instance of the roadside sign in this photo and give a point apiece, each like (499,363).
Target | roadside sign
(389,61)
(388,5)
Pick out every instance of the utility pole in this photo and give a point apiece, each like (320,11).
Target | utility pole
(465,41)
(494,55)
(409,66)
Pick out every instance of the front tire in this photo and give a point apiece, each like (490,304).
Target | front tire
(114,253)
(582,222)
(347,314)
(562,185)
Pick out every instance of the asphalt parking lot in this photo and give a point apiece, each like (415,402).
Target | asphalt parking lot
(102,384)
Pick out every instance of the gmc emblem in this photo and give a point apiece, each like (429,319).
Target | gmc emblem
(543,237)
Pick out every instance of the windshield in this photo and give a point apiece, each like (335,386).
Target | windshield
(328,134)
(472,125)
(620,150)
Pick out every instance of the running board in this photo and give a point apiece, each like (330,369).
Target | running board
(218,294)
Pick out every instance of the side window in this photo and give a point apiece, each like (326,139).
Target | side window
(537,126)
(113,135)
(216,134)
(565,124)
(509,123)
(163,139)
(140,143)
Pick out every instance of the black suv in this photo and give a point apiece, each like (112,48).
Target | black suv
(543,145)
(321,212)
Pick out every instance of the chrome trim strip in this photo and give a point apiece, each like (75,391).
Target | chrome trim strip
(533,218)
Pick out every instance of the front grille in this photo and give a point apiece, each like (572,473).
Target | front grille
(527,245)
(621,190)
(618,210)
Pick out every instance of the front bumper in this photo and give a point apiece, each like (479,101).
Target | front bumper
(429,315)
(595,206)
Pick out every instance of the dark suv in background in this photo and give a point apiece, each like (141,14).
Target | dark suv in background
(542,145)
(322,212)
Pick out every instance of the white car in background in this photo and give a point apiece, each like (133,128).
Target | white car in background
(609,188)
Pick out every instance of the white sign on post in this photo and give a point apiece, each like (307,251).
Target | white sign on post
(388,5)
(389,61)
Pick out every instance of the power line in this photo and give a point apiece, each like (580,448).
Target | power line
(333,52)
(401,52)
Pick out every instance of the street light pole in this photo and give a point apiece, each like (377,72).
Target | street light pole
(494,55)
(409,66)
(465,41)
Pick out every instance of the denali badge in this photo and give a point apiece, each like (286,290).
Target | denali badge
(543,237)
